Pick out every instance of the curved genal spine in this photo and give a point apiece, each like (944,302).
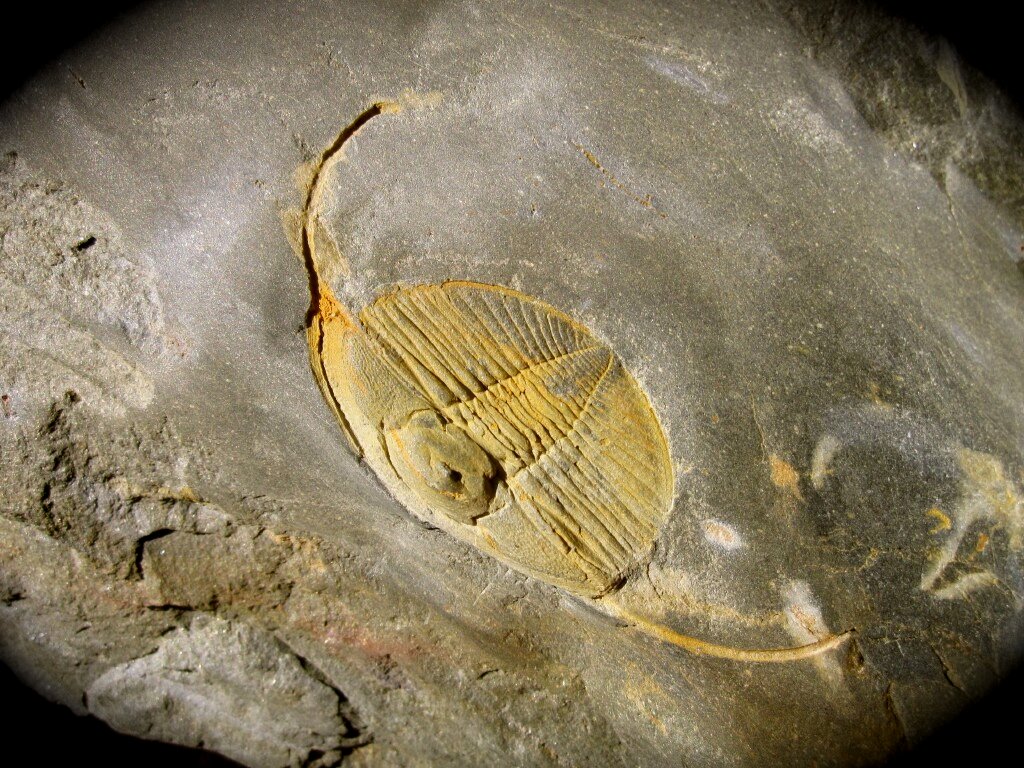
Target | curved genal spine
(322,300)
(324,309)
(704,648)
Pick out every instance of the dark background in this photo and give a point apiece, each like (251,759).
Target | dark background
(986,35)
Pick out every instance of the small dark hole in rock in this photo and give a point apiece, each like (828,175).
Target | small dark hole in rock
(455,475)
(86,244)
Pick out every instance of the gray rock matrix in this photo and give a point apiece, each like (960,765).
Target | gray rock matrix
(799,226)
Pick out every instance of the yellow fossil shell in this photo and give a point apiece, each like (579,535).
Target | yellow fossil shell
(503,421)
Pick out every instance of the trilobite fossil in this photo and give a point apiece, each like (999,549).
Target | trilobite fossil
(500,420)
(504,422)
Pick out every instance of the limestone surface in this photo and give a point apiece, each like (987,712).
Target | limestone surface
(798,229)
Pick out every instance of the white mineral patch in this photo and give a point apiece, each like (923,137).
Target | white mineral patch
(682,75)
(722,535)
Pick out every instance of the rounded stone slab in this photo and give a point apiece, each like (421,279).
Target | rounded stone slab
(828,331)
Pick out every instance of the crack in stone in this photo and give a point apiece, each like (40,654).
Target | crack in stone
(357,734)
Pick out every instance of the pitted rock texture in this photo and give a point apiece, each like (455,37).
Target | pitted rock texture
(825,320)
(64,250)
(73,301)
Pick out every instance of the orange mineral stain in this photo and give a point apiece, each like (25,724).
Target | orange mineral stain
(785,477)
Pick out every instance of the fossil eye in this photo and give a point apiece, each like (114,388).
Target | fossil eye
(443,465)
